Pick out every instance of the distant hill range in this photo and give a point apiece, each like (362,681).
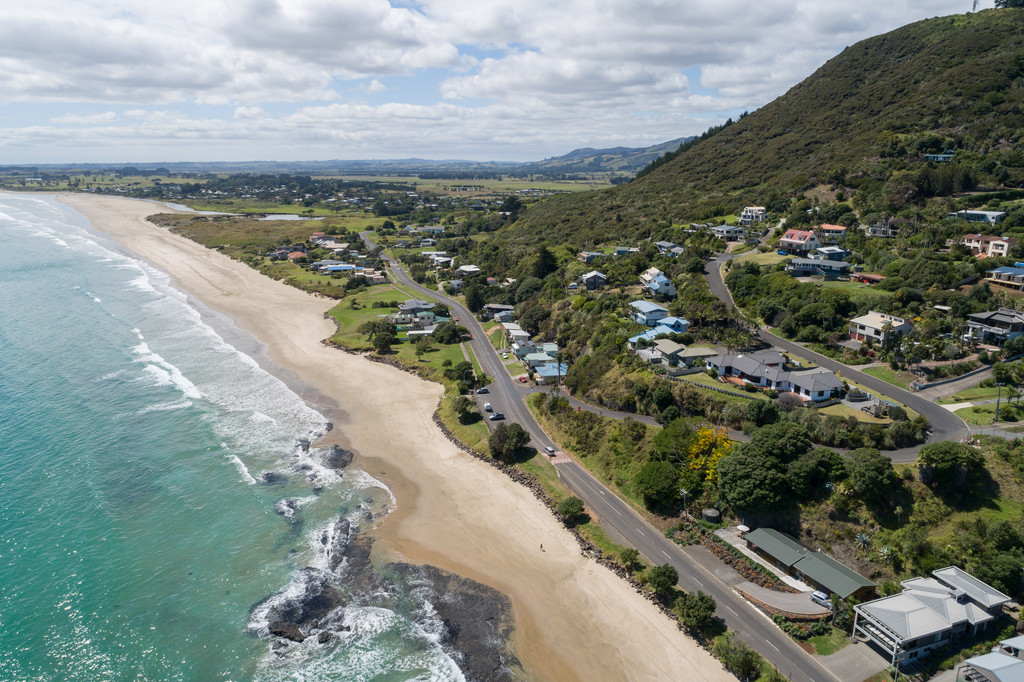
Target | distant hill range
(863,122)
(623,161)
(626,160)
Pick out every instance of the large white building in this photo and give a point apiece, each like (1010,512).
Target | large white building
(929,613)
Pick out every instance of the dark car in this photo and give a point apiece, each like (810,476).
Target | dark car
(497,416)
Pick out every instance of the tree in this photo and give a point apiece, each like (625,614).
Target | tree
(762,412)
(463,407)
(872,475)
(382,341)
(476,297)
(507,440)
(663,578)
(784,441)
(422,346)
(657,482)
(630,558)
(947,462)
(571,508)
(545,262)
(696,611)
(751,480)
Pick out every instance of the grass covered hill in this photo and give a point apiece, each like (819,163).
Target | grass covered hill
(862,119)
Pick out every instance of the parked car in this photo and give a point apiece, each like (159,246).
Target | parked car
(482,390)
(504,356)
(497,416)
(548,449)
(821,599)
(522,380)
(487,407)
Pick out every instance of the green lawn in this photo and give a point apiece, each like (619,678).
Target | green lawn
(986,414)
(856,289)
(973,393)
(769,258)
(901,379)
(829,643)
(473,435)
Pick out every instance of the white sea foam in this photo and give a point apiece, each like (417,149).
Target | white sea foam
(242,469)
(164,372)
(165,407)
(359,479)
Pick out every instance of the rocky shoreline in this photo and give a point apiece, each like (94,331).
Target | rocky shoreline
(473,623)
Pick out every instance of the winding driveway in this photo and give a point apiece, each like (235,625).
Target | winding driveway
(944,424)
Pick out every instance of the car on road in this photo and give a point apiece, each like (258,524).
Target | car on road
(548,449)
(497,416)
(483,390)
(522,380)
(456,319)
(487,407)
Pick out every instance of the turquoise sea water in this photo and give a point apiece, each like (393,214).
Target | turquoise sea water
(135,532)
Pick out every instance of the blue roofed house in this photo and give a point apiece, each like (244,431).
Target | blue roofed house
(1006,276)
(650,335)
(676,324)
(550,373)
(648,313)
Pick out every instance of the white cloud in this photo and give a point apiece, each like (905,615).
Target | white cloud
(489,79)
(86,119)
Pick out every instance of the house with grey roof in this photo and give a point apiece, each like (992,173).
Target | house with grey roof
(593,279)
(1005,663)
(813,267)
(648,313)
(996,326)
(767,369)
(817,569)
(930,613)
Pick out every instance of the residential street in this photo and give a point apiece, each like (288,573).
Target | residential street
(696,569)
(945,425)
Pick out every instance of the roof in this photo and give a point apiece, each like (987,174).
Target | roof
(593,273)
(833,228)
(984,594)
(877,320)
(648,307)
(926,606)
(826,571)
(998,667)
(1001,315)
(672,321)
(798,235)
(653,333)
(817,263)
(814,380)
(697,352)
(666,347)
(552,369)
(1014,642)
(782,548)
(1007,270)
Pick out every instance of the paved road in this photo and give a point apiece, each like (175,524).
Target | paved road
(945,425)
(753,627)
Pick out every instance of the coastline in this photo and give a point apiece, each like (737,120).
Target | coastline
(574,618)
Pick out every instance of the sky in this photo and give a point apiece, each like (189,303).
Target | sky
(140,81)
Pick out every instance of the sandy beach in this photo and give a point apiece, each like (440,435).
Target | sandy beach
(575,620)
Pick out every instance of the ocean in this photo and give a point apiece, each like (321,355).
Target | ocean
(158,498)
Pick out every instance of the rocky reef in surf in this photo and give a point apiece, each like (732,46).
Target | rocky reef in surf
(472,622)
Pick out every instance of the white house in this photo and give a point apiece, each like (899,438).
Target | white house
(728,233)
(990,217)
(832,234)
(799,241)
(930,613)
(880,327)
(655,281)
(753,214)
(988,245)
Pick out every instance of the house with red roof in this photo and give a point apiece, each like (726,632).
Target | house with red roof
(799,241)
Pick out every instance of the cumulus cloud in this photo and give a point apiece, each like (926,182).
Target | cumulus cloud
(491,79)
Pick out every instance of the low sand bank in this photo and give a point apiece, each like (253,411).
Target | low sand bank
(574,618)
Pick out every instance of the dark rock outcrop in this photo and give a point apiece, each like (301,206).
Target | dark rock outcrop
(338,457)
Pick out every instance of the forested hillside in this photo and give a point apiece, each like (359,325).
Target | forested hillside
(862,123)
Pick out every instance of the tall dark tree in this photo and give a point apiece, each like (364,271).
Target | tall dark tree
(663,578)
(475,297)
(545,262)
